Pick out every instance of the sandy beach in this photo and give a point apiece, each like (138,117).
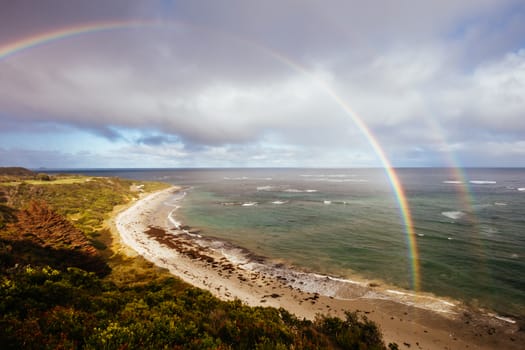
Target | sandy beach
(145,227)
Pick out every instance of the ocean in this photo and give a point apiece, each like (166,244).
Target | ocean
(346,224)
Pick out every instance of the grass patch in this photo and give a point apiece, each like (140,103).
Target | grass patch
(58,181)
(85,201)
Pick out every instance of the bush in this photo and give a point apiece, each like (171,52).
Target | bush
(46,308)
(43,177)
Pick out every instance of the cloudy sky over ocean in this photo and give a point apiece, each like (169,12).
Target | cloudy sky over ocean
(261,83)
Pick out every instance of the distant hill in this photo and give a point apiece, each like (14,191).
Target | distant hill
(16,171)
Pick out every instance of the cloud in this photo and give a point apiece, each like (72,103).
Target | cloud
(228,85)
(224,110)
(499,93)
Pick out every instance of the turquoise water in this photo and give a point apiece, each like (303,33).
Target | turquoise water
(346,223)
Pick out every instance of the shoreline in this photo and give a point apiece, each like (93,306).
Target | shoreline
(146,228)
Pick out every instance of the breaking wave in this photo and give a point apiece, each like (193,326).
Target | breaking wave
(454,215)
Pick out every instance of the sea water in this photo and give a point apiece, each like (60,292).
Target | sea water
(346,224)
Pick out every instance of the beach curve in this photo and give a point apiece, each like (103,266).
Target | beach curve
(146,228)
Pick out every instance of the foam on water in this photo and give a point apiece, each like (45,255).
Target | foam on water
(502,318)
(488,230)
(178,227)
(454,215)
(294,190)
(327,175)
(235,256)
(178,196)
(240,178)
(173,202)
(174,222)
(244,178)
(482,182)
(453,182)
(340,180)
(423,301)
(307,282)
(240,204)
(284,189)
(336,287)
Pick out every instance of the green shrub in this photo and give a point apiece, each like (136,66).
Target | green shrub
(41,307)
(43,177)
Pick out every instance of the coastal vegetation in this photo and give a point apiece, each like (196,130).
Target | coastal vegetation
(62,286)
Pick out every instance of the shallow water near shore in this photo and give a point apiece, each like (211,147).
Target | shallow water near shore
(345,223)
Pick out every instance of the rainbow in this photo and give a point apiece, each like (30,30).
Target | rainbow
(29,42)
(463,189)
(395,183)
(63,33)
(398,191)
(458,175)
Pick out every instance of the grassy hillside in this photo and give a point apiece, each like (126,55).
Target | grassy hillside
(61,287)
(15,172)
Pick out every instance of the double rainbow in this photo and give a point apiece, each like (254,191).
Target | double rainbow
(39,39)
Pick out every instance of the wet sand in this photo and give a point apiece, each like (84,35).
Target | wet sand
(144,227)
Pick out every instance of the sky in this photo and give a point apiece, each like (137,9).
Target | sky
(283,83)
